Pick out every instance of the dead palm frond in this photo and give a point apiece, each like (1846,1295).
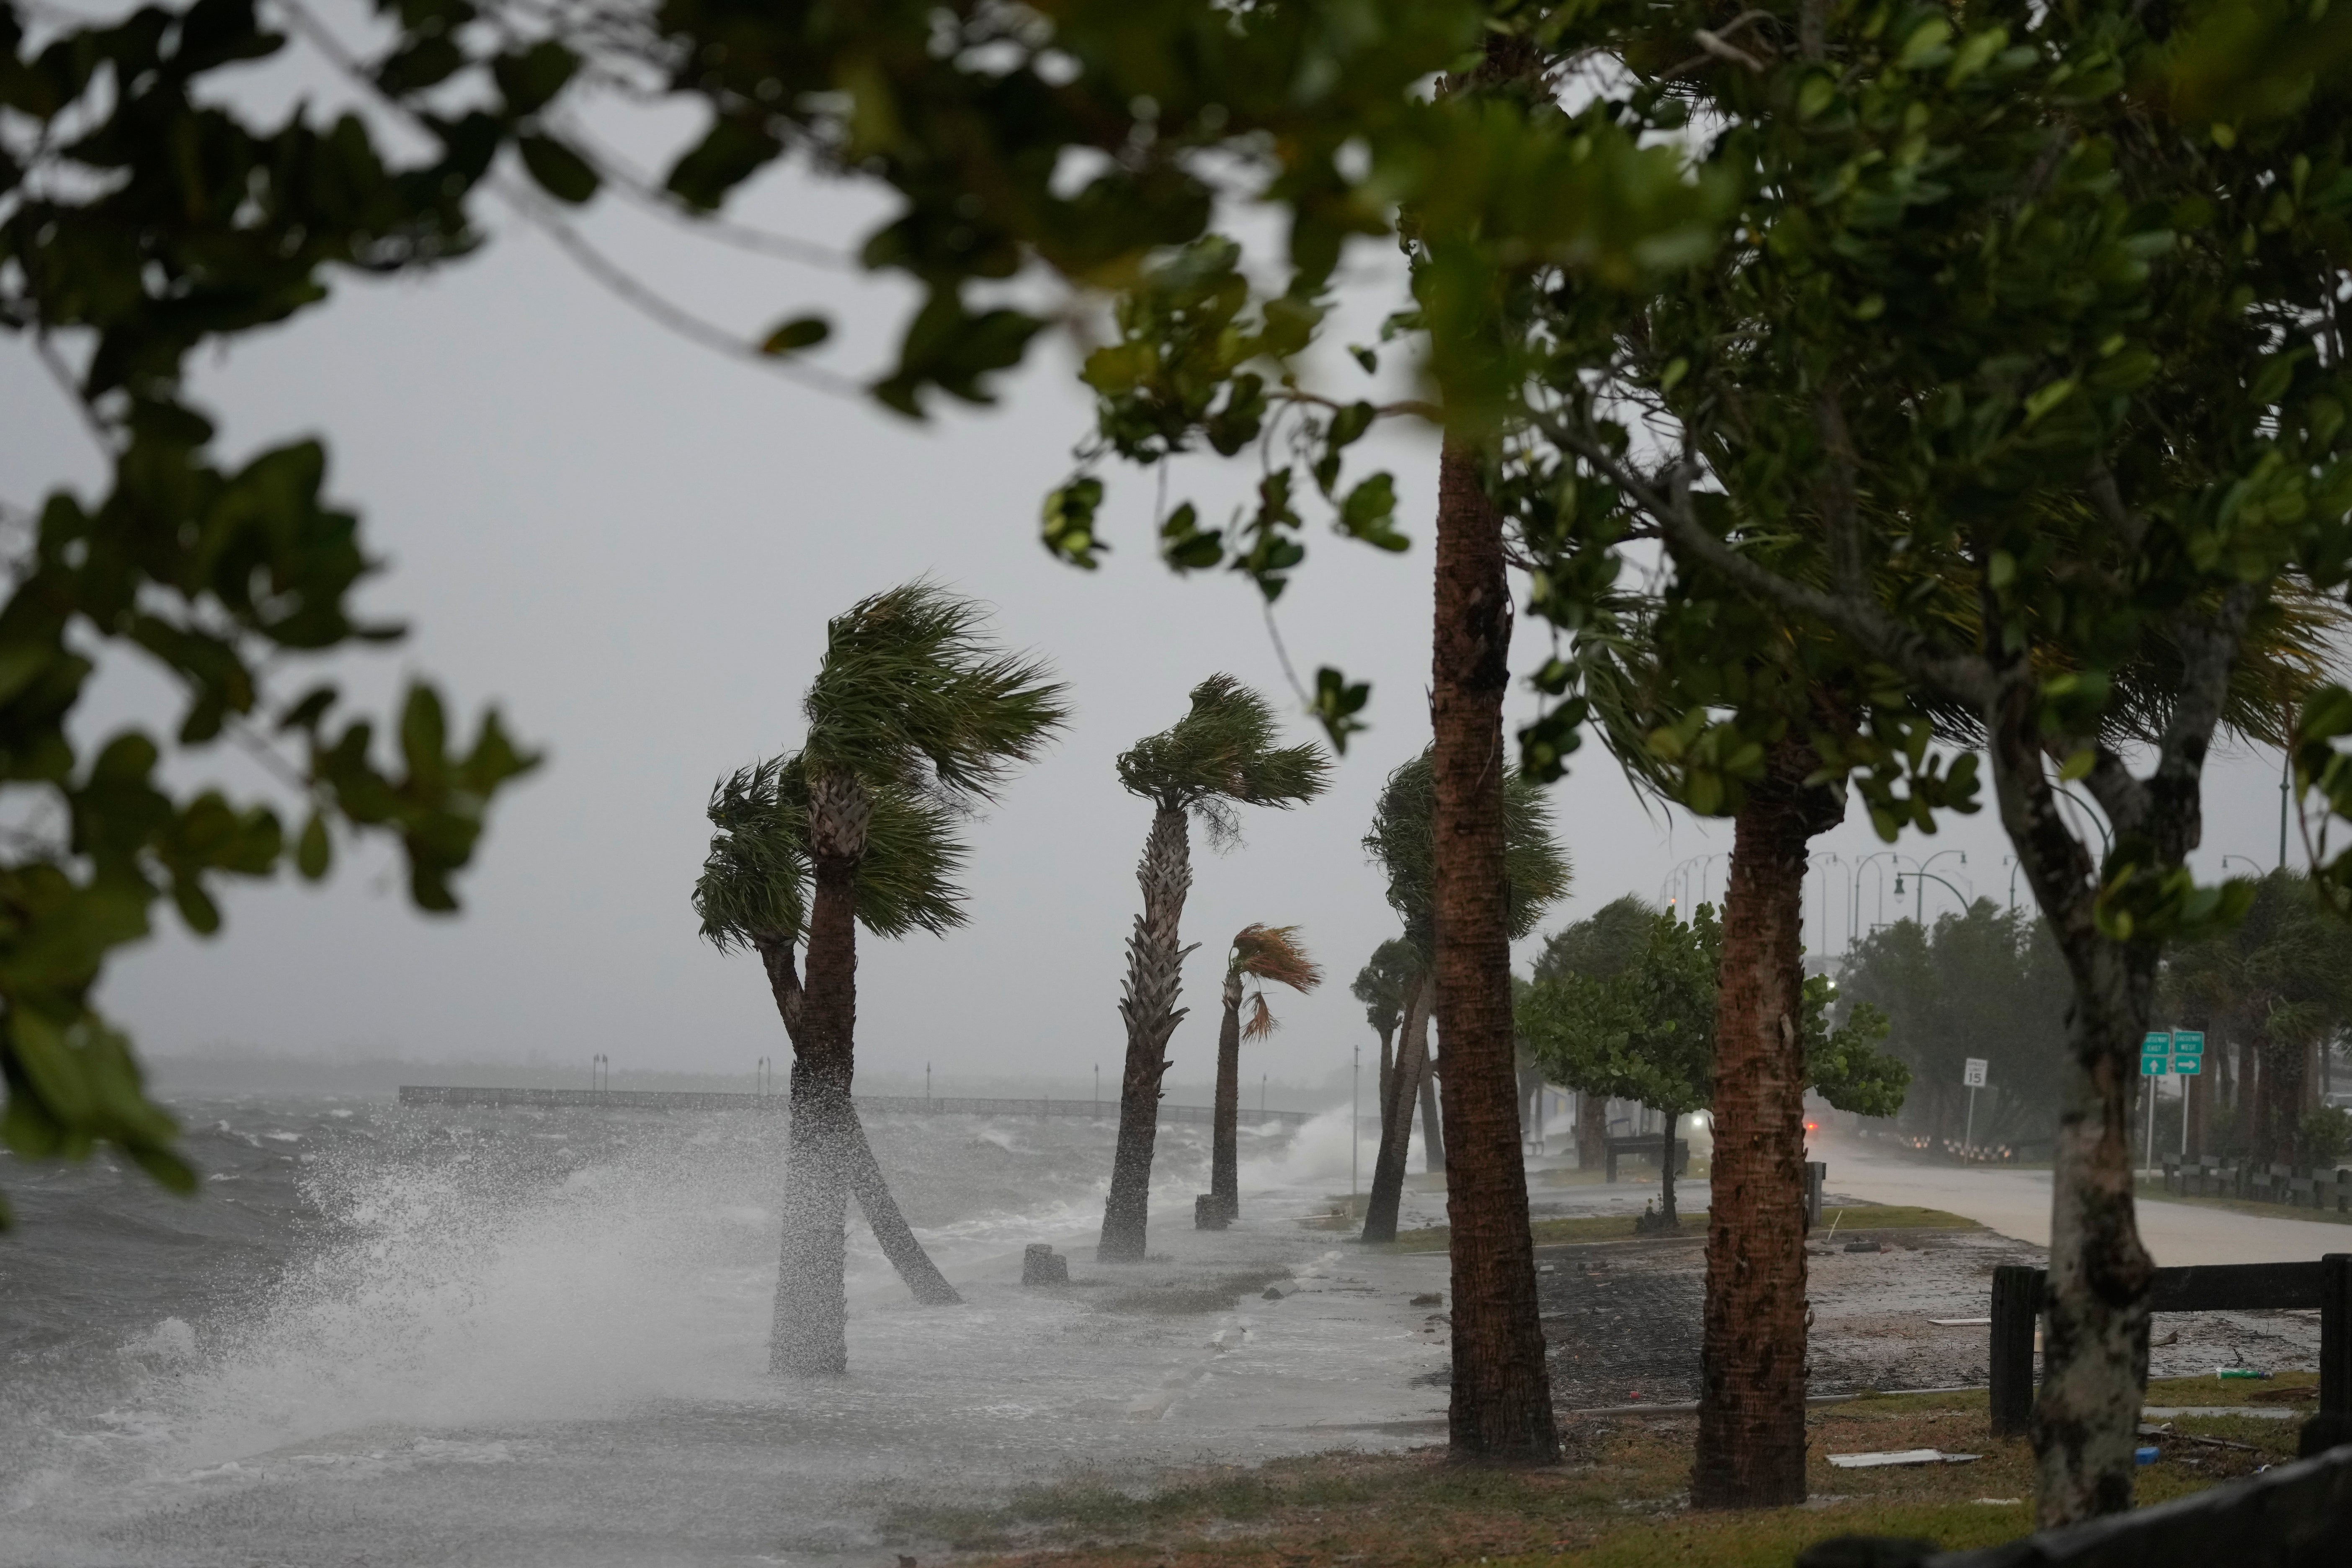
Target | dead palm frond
(1269,956)
(1274,954)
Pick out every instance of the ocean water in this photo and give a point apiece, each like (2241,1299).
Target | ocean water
(396,1335)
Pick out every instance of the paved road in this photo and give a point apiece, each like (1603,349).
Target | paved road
(2017,1204)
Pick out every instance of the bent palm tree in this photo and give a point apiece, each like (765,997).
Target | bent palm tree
(912,702)
(1403,841)
(1266,954)
(1220,754)
(1383,986)
(753,896)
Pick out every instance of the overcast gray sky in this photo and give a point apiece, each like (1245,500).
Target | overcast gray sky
(633,544)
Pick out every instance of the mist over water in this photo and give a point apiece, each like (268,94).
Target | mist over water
(391,1334)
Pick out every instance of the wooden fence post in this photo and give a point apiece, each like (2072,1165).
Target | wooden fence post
(2336,1334)
(2016,1311)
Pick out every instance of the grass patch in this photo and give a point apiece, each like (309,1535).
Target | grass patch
(2210,1390)
(1617,1500)
(1192,1298)
(1849,1223)
(2153,1192)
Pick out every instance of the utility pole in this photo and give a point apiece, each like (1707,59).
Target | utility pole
(927,1086)
(1355,1116)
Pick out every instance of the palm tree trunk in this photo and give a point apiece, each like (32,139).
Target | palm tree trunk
(1751,1433)
(1224,1154)
(1501,1404)
(810,1337)
(1433,1128)
(1396,1114)
(1388,1067)
(1155,970)
(866,1182)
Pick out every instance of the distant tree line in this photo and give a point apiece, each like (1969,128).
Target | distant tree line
(2272,994)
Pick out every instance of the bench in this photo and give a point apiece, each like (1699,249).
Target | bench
(1650,1146)
(2019,1294)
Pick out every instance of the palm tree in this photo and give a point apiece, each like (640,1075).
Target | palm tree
(1403,841)
(753,896)
(1267,954)
(1385,987)
(913,700)
(1220,754)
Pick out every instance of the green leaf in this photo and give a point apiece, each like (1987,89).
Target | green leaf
(1370,513)
(2045,398)
(558,170)
(1338,701)
(314,852)
(1067,522)
(798,333)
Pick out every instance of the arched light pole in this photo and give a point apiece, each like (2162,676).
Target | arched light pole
(1853,904)
(1923,878)
(1832,859)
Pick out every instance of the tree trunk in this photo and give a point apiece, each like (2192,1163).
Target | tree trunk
(1225,1139)
(811,1331)
(809,1337)
(1433,1128)
(1501,1405)
(1591,1131)
(2095,1351)
(1396,1114)
(1751,1413)
(1155,972)
(1666,1177)
(1388,1067)
(872,1190)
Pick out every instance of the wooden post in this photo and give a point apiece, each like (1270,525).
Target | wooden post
(1817,1175)
(2017,1292)
(2336,1334)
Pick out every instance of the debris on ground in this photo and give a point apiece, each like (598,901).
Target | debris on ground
(1901,1457)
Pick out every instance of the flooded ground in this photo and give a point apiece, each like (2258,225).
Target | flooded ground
(391,1336)
(394,1337)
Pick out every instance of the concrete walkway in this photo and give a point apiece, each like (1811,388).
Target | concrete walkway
(2017,1204)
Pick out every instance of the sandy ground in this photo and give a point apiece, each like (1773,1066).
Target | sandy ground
(2017,1204)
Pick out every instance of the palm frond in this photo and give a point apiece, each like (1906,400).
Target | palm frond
(1536,868)
(754,883)
(908,880)
(754,887)
(1380,984)
(913,692)
(1261,1020)
(1221,753)
(1274,954)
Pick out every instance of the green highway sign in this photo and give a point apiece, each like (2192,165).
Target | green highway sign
(2172,1050)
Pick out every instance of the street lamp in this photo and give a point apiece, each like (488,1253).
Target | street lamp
(1829,856)
(1853,904)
